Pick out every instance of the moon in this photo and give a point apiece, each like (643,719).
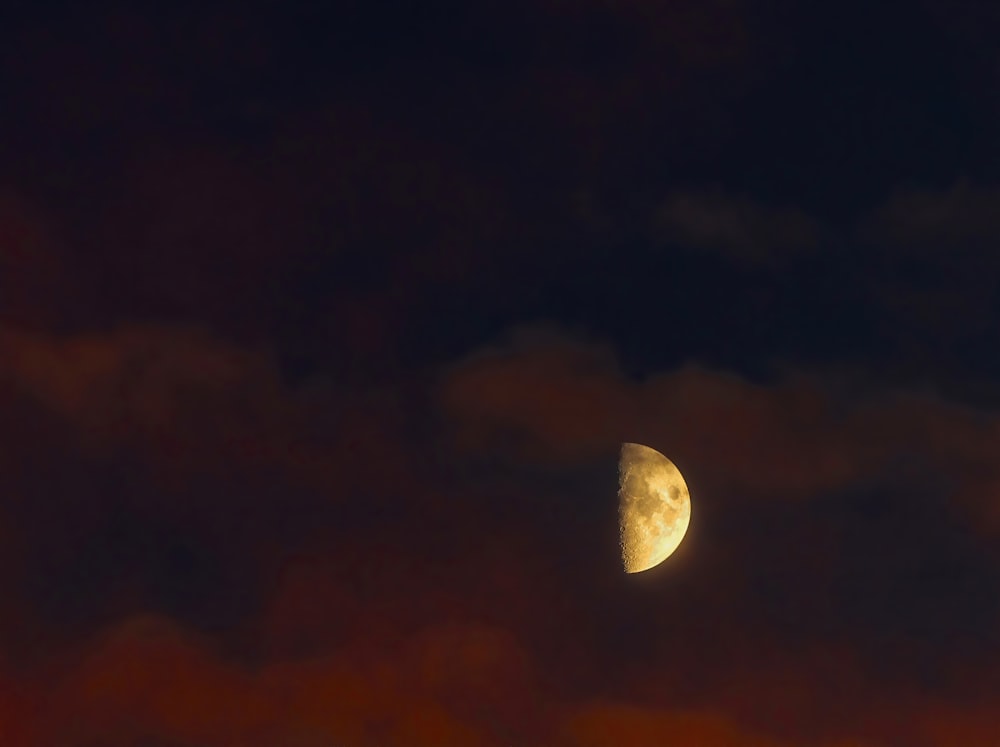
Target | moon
(654,507)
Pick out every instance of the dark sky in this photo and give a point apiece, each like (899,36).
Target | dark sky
(321,325)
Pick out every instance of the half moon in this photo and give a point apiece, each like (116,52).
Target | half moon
(654,507)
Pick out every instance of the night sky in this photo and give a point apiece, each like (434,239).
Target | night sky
(321,325)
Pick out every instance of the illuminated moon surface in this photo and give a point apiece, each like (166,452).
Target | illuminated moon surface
(654,507)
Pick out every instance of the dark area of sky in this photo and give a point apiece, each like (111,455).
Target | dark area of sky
(321,323)
(827,110)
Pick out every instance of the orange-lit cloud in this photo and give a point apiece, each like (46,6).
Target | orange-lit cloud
(607,724)
(147,678)
(559,401)
(445,584)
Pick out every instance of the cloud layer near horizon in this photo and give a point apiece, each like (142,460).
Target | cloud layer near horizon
(332,570)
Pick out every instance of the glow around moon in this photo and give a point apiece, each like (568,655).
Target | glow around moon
(654,507)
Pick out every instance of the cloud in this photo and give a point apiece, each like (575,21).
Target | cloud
(37,284)
(734,227)
(149,678)
(568,402)
(608,724)
(143,377)
(554,400)
(800,474)
(946,723)
(20,711)
(161,467)
(943,221)
(431,567)
(564,402)
(183,398)
(146,678)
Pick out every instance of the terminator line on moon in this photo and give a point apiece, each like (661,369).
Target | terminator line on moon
(654,507)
